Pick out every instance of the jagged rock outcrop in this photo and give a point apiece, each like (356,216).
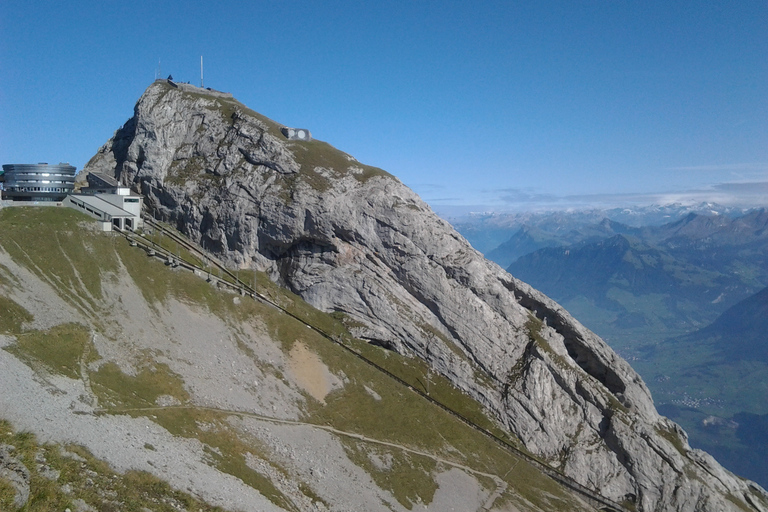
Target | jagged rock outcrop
(352,238)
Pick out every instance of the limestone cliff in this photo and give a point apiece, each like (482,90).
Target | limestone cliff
(351,238)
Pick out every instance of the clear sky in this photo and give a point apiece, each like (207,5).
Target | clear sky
(484,104)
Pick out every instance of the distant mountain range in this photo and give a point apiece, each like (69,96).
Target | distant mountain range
(627,283)
(488,230)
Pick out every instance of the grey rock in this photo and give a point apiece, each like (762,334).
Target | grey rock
(353,239)
(71,455)
(13,471)
(44,469)
(81,506)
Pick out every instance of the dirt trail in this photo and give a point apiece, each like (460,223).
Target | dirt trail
(501,485)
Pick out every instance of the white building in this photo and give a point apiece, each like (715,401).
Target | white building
(107,201)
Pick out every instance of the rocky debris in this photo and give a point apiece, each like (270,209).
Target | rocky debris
(118,440)
(44,469)
(13,471)
(167,401)
(81,506)
(354,240)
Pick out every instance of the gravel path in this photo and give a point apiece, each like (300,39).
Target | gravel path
(501,486)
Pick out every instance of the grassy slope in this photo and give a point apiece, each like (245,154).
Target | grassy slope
(81,476)
(52,243)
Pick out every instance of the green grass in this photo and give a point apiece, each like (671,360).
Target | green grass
(673,439)
(158,283)
(409,477)
(12,316)
(117,389)
(740,503)
(49,242)
(7,495)
(58,348)
(185,169)
(316,153)
(310,493)
(416,372)
(158,237)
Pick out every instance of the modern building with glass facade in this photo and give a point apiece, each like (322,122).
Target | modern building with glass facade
(38,182)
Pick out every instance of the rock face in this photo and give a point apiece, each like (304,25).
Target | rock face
(351,238)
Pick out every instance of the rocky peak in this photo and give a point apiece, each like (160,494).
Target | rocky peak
(351,238)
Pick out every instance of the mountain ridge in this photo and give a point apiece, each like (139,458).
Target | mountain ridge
(487,231)
(751,315)
(353,240)
(701,264)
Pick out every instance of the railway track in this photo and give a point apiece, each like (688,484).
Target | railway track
(592,496)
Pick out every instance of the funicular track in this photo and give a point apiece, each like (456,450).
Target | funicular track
(236,285)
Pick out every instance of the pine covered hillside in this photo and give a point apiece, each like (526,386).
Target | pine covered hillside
(741,333)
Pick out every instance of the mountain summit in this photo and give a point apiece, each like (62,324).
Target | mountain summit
(351,239)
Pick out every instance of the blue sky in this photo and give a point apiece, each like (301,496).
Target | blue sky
(489,105)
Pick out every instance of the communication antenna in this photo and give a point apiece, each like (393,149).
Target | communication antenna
(159,72)
(201,72)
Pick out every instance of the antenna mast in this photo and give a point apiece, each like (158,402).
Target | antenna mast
(201,71)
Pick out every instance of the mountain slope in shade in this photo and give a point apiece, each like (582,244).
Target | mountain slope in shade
(631,285)
(741,333)
(530,239)
(723,370)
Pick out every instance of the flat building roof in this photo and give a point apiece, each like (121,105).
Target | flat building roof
(101,205)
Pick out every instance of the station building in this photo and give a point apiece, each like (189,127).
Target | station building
(37,182)
(107,201)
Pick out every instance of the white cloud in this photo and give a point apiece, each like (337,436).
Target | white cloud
(723,167)
(742,194)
